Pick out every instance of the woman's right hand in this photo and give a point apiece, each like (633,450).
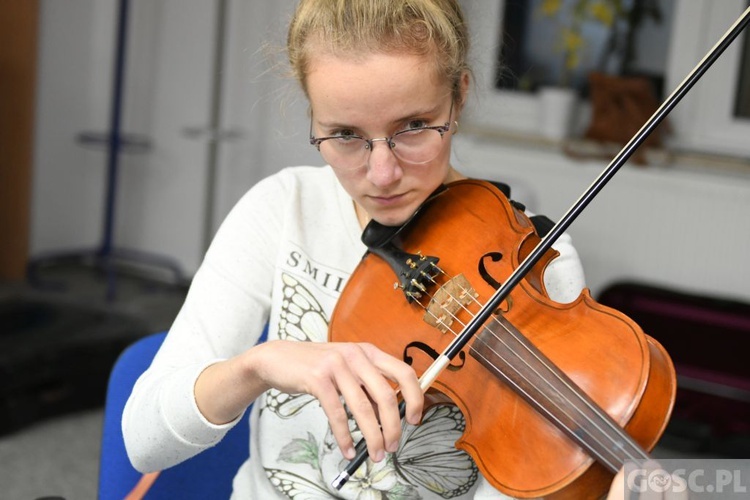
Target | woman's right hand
(361,376)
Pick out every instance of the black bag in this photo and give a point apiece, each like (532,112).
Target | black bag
(706,338)
(55,357)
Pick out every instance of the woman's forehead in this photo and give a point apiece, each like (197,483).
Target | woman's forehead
(342,84)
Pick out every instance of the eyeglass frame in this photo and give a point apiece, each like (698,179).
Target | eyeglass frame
(442,129)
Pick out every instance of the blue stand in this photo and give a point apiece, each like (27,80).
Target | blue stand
(107,257)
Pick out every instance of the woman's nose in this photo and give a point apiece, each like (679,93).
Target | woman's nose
(383,168)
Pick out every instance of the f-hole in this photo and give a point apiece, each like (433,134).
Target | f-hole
(482,268)
(460,360)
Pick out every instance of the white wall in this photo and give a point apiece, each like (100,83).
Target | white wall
(671,226)
(161,195)
(73,84)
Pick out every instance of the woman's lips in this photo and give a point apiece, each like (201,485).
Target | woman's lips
(388,200)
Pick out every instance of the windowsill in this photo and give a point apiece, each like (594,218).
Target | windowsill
(578,149)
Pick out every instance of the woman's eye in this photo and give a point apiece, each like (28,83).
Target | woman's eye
(344,134)
(416,124)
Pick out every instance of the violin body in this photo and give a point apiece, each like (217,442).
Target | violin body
(479,238)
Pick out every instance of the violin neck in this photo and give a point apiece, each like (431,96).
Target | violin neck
(553,394)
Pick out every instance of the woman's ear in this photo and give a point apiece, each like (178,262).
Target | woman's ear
(464,90)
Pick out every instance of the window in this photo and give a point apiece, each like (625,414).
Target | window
(544,42)
(712,118)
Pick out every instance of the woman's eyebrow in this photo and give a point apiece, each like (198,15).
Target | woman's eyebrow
(395,121)
(334,124)
(419,113)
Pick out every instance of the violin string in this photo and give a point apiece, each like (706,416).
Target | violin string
(542,361)
(611,432)
(520,389)
(574,389)
(552,387)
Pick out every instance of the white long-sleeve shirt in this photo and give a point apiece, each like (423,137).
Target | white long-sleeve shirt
(282,257)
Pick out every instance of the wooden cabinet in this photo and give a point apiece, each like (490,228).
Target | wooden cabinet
(18,45)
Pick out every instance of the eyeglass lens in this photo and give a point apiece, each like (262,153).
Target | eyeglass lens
(411,146)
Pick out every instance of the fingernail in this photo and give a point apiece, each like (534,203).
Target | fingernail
(379,456)
(349,453)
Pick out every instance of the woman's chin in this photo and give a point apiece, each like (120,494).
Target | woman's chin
(392,218)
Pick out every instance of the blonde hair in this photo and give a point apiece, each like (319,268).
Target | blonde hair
(352,27)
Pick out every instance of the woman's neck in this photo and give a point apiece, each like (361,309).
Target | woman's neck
(362,216)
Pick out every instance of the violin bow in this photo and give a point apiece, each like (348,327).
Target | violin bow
(473,326)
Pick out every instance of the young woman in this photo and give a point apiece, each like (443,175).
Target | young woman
(387,81)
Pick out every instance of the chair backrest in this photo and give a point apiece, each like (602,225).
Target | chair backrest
(207,475)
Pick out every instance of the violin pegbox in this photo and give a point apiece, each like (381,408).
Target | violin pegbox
(415,272)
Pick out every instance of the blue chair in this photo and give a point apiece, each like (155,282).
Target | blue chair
(207,475)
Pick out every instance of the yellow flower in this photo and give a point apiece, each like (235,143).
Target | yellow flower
(572,40)
(550,7)
(604,12)
(572,16)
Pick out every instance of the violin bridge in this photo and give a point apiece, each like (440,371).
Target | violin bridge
(455,294)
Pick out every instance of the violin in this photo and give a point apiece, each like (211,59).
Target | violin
(556,397)
(608,386)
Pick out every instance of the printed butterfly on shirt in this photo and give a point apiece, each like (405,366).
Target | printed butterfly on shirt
(426,459)
(297,487)
(426,454)
(301,319)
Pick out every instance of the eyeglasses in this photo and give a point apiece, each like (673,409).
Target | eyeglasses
(417,145)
